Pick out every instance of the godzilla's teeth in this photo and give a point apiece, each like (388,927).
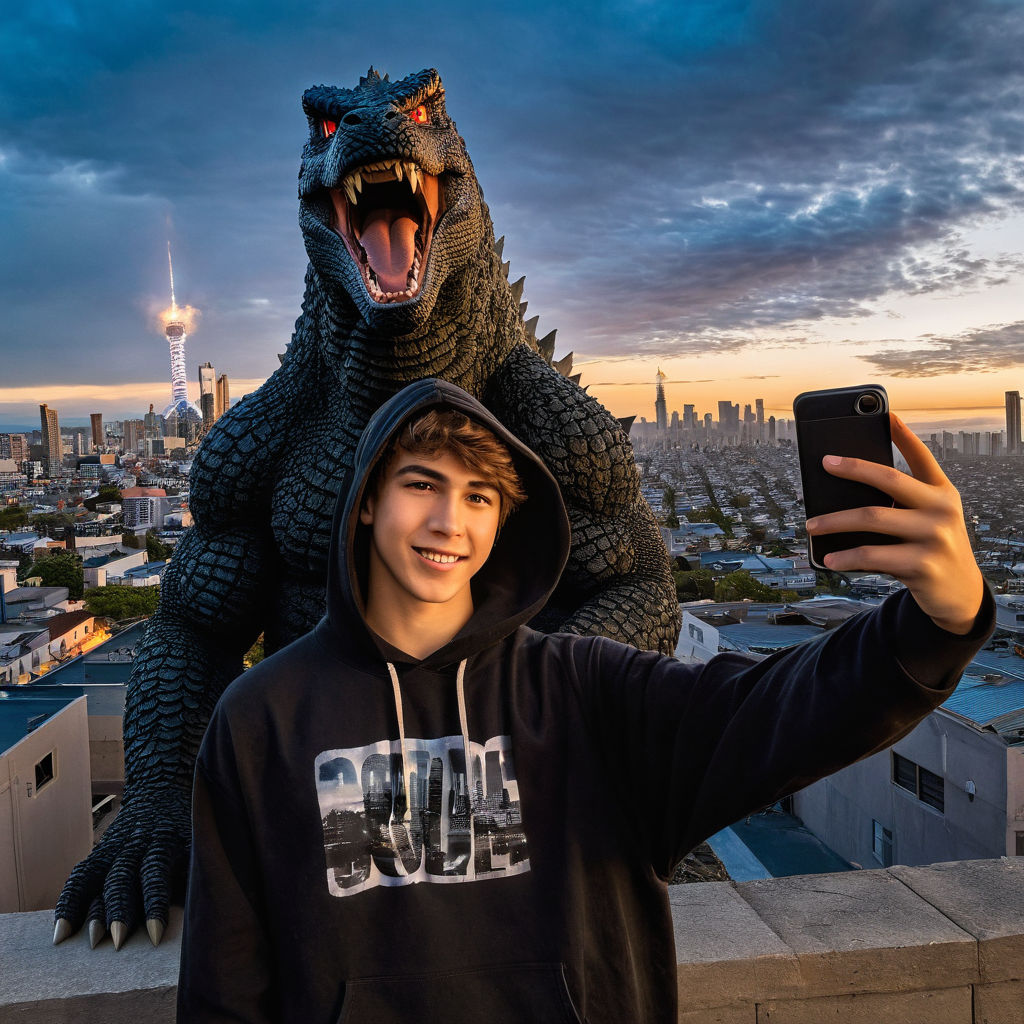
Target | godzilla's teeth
(357,180)
(413,176)
(350,191)
(398,169)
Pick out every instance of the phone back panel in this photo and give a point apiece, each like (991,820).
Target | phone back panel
(825,426)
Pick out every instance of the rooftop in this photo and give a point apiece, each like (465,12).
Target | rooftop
(20,706)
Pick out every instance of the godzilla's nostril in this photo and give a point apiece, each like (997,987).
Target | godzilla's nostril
(390,114)
(351,119)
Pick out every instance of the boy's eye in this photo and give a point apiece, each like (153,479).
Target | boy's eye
(480,499)
(419,114)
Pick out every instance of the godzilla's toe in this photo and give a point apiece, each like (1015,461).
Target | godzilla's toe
(61,930)
(119,933)
(97,932)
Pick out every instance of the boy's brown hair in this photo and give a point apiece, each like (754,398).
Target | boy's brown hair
(448,430)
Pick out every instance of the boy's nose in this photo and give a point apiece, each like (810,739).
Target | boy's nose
(447,518)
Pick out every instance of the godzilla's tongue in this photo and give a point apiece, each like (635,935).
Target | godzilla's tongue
(389,238)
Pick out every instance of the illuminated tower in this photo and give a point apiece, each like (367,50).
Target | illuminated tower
(660,410)
(222,396)
(181,412)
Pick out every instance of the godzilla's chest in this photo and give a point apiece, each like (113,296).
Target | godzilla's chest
(305,494)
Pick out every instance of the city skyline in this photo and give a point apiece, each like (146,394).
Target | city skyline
(781,198)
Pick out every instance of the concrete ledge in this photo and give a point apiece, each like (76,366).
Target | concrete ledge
(942,944)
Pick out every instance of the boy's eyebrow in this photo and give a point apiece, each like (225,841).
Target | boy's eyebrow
(414,469)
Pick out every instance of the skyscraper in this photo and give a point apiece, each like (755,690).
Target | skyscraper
(53,452)
(222,400)
(1012,422)
(660,409)
(98,437)
(207,383)
(759,407)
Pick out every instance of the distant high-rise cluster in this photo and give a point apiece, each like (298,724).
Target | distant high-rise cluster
(690,427)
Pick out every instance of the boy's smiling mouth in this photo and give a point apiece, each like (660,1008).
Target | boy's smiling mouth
(439,557)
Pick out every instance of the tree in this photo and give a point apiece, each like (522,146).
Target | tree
(107,493)
(156,549)
(60,569)
(694,584)
(668,502)
(122,602)
(13,517)
(711,514)
(52,524)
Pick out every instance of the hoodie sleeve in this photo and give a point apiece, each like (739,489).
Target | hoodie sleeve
(701,746)
(227,970)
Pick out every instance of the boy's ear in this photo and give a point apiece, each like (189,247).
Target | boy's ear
(366,512)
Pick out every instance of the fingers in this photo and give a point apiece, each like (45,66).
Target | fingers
(918,455)
(903,523)
(79,891)
(904,489)
(159,867)
(121,892)
(97,922)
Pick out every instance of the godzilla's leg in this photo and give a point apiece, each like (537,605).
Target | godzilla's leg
(192,649)
(617,581)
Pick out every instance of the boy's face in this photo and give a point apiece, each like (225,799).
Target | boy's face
(434,522)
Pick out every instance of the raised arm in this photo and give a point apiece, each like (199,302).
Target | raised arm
(617,582)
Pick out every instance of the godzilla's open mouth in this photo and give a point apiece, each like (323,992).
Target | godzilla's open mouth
(386,212)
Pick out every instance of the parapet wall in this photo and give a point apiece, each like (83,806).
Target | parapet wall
(942,944)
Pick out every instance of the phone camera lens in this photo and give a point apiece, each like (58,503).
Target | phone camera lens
(868,403)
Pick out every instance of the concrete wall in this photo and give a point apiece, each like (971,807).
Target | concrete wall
(106,753)
(840,808)
(942,944)
(1014,797)
(44,833)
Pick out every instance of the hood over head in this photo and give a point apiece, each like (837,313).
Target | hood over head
(516,580)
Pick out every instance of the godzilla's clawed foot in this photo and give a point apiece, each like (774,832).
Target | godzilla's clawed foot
(97,932)
(155,928)
(119,933)
(61,930)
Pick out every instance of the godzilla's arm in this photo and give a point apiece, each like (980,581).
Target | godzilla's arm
(209,615)
(617,582)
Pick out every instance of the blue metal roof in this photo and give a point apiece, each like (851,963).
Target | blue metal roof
(983,700)
(17,708)
(744,636)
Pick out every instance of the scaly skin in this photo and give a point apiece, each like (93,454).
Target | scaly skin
(266,480)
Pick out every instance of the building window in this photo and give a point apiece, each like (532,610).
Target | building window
(928,787)
(881,843)
(44,771)
(1020,844)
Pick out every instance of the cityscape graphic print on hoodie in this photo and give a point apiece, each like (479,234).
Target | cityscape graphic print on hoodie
(351,864)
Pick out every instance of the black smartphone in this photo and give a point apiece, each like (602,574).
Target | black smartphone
(851,422)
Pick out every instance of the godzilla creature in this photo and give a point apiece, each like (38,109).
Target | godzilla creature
(404,281)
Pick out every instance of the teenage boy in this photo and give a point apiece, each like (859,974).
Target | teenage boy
(424,810)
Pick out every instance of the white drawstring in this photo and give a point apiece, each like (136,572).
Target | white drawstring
(405,768)
(460,690)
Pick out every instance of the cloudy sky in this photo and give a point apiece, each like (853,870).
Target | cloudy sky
(758,197)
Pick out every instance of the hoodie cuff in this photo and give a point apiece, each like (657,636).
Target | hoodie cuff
(931,655)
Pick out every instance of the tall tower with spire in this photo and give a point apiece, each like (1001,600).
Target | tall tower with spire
(660,411)
(182,417)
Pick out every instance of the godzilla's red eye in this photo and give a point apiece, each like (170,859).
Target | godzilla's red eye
(419,115)
(329,127)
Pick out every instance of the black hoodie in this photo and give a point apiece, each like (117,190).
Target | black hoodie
(485,834)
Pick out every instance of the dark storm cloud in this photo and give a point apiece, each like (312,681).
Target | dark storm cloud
(984,350)
(669,177)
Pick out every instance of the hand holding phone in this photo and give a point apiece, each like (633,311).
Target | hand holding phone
(851,422)
(930,552)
